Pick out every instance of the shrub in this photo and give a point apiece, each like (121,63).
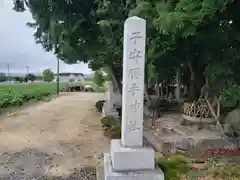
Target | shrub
(114,132)
(232,171)
(111,126)
(99,105)
(173,167)
(98,78)
(232,123)
(108,121)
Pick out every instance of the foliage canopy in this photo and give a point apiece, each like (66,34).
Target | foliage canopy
(201,37)
(48,75)
(98,78)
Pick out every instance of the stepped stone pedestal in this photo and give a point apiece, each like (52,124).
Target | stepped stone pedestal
(111,174)
(123,163)
(131,158)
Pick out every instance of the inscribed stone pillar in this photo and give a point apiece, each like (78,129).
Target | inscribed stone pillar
(128,158)
(133,81)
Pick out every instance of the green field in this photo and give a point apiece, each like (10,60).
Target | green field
(17,94)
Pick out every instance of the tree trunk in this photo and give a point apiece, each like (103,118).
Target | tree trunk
(178,88)
(146,95)
(146,74)
(157,88)
(118,78)
(161,90)
(117,84)
(197,79)
(167,91)
(191,82)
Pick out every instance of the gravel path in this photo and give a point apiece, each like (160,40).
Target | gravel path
(53,139)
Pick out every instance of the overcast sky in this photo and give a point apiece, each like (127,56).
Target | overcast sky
(18,48)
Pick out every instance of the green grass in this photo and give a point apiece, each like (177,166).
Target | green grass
(27,88)
(17,94)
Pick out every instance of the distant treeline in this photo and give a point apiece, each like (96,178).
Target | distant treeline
(4,77)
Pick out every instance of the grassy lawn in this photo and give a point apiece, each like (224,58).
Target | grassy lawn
(17,94)
(27,88)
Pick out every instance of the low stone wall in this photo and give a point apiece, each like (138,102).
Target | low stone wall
(169,137)
(194,146)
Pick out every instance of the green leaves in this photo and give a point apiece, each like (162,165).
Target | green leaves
(98,78)
(179,32)
(16,95)
(48,75)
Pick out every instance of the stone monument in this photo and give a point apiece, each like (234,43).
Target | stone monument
(128,158)
(108,106)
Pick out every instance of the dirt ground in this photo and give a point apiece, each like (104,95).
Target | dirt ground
(53,137)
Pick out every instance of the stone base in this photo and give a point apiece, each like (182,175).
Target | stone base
(111,113)
(110,174)
(131,158)
(107,111)
(173,137)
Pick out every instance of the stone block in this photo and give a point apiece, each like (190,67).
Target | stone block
(110,174)
(208,143)
(106,111)
(124,158)
(112,113)
(229,143)
(167,148)
(204,144)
